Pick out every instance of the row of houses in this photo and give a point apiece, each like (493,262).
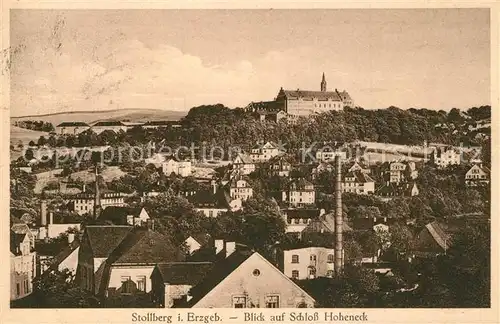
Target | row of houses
(74,128)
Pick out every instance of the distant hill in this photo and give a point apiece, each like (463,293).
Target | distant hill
(90,117)
(18,134)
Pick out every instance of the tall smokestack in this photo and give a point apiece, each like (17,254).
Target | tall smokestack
(97,196)
(339,249)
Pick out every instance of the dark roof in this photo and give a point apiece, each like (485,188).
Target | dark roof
(263,107)
(105,238)
(64,254)
(74,124)
(183,273)
(300,185)
(301,213)
(15,240)
(219,272)
(359,177)
(325,223)
(142,245)
(109,123)
(117,215)
(202,238)
(439,235)
(206,198)
(307,94)
(162,123)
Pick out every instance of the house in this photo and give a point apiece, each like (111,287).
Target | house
(445,156)
(359,166)
(271,116)
(297,219)
(358,182)
(300,192)
(240,188)
(71,128)
(476,175)
(243,164)
(399,172)
(83,203)
(22,265)
(245,279)
(264,152)
(391,190)
(196,241)
(309,262)
(115,215)
(115,126)
(67,259)
(322,227)
(279,165)
(172,281)
(327,153)
(116,262)
(177,166)
(432,240)
(209,203)
(320,168)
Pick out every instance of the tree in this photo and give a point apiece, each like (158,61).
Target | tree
(42,141)
(401,238)
(58,289)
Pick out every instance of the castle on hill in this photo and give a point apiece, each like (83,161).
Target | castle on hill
(302,102)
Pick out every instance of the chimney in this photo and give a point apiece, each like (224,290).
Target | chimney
(339,250)
(84,187)
(322,212)
(71,238)
(230,248)
(214,187)
(97,195)
(43,213)
(219,246)
(51,218)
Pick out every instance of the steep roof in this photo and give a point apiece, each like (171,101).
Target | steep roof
(206,198)
(59,258)
(145,246)
(325,223)
(117,215)
(202,238)
(183,273)
(15,240)
(72,124)
(439,235)
(307,94)
(104,239)
(359,177)
(300,184)
(219,272)
(244,158)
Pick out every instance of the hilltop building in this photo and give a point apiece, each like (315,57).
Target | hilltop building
(71,128)
(302,102)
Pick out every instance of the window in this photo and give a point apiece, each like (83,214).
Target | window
(312,272)
(313,257)
(330,258)
(295,274)
(141,283)
(239,302)
(18,289)
(272,301)
(126,285)
(329,273)
(295,258)
(256,272)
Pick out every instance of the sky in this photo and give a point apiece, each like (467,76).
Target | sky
(176,59)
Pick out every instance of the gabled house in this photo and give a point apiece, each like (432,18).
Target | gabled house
(124,216)
(432,240)
(116,262)
(67,259)
(240,188)
(358,182)
(328,152)
(391,190)
(280,166)
(245,279)
(177,166)
(297,219)
(359,166)
(321,167)
(209,203)
(299,193)
(243,164)
(476,175)
(22,265)
(172,281)
(196,241)
(264,152)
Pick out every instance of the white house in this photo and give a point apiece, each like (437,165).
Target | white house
(71,128)
(115,126)
(265,152)
(182,168)
(239,188)
(477,174)
(358,182)
(300,192)
(243,164)
(309,263)
(445,156)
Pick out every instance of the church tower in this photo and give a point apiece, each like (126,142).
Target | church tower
(323,83)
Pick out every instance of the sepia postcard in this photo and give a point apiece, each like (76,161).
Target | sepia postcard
(173,162)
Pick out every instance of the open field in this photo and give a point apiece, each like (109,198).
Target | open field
(90,117)
(18,134)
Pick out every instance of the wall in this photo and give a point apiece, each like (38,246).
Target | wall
(71,262)
(242,282)
(174,292)
(215,211)
(22,270)
(322,266)
(133,271)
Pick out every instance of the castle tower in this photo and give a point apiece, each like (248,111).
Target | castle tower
(323,83)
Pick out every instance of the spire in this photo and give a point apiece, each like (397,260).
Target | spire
(323,83)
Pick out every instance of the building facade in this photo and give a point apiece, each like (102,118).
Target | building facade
(309,263)
(182,168)
(71,128)
(22,266)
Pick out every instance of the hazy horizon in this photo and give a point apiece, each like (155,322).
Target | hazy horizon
(91,60)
